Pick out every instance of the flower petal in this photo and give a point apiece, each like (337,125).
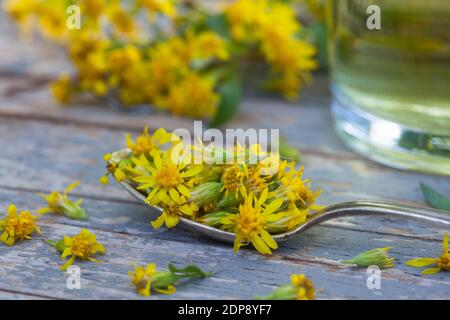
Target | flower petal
(420,262)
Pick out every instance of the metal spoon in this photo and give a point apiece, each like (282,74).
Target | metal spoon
(346,209)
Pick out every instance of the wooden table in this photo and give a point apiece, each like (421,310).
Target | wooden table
(45,147)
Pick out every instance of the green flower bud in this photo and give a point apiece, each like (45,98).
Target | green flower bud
(206,193)
(375,257)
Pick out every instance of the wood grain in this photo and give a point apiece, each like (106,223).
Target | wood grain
(45,147)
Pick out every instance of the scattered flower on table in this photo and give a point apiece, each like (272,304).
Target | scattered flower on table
(300,288)
(60,203)
(442,263)
(17,227)
(375,257)
(82,246)
(148,278)
(242,198)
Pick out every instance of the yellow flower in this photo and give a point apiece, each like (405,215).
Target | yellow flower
(82,246)
(304,286)
(61,89)
(113,167)
(166,179)
(172,210)
(165,7)
(377,256)
(60,203)
(208,45)
(17,226)
(300,288)
(148,278)
(250,223)
(194,96)
(147,143)
(273,26)
(441,263)
(121,19)
(236,177)
(92,8)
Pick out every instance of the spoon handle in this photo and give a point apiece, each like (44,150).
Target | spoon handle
(371,208)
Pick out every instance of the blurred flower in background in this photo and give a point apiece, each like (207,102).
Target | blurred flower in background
(176,55)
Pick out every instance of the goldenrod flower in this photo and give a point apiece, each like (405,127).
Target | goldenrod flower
(172,210)
(250,178)
(250,223)
(148,278)
(116,166)
(61,89)
(154,7)
(146,143)
(166,178)
(60,203)
(375,257)
(82,246)
(121,19)
(17,226)
(300,288)
(441,263)
(194,96)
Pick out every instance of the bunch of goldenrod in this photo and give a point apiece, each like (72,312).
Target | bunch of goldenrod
(172,54)
(243,197)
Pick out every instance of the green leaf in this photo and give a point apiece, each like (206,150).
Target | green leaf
(60,246)
(230,93)
(434,198)
(219,24)
(190,271)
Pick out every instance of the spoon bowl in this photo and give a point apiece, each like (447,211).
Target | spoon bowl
(345,209)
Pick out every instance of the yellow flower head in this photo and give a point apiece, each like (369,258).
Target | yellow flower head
(173,210)
(60,203)
(304,286)
(148,278)
(194,96)
(164,7)
(166,179)
(121,19)
(207,45)
(17,226)
(442,263)
(82,246)
(300,288)
(250,222)
(147,143)
(142,278)
(61,89)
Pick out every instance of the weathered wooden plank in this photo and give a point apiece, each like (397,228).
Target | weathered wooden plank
(33,266)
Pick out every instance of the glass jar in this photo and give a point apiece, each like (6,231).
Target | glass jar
(390,75)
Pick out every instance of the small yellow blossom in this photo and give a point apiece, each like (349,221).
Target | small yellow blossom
(172,210)
(146,143)
(147,278)
(166,179)
(165,7)
(61,89)
(82,246)
(194,96)
(60,203)
(441,263)
(250,223)
(17,226)
(113,167)
(300,288)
